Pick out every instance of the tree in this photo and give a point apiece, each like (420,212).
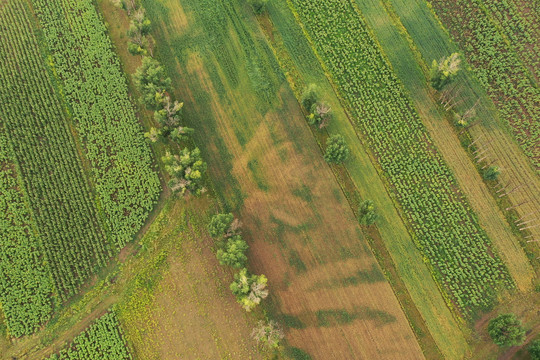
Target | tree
(506,330)
(492,173)
(321,114)
(224,226)
(367,213)
(234,252)
(337,150)
(153,135)
(249,289)
(151,81)
(310,96)
(170,114)
(186,170)
(534,350)
(269,334)
(258,5)
(443,72)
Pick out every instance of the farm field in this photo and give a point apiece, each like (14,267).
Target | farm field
(289,43)
(405,66)
(282,204)
(489,129)
(493,50)
(269,179)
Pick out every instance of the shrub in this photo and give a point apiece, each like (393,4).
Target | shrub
(366,213)
(534,350)
(491,173)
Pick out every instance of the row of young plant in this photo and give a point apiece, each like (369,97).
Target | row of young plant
(249,289)
(96,93)
(444,227)
(185,167)
(47,162)
(103,340)
(521,28)
(25,285)
(497,66)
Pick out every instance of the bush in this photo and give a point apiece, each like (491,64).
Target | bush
(337,150)
(310,96)
(506,330)
(366,213)
(491,173)
(258,5)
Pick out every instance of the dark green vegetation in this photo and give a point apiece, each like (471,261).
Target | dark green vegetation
(534,350)
(448,234)
(102,340)
(506,330)
(95,90)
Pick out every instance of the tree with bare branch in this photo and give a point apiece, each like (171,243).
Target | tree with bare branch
(443,72)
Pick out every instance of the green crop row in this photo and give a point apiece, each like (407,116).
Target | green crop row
(443,224)
(521,30)
(25,287)
(46,157)
(497,65)
(96,92)
(103,340)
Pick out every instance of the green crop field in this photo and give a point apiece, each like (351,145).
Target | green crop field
(269,179)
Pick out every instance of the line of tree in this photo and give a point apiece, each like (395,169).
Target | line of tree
(249,289)
(186,168)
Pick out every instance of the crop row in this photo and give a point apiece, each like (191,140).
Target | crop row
(46,155)
(25,285)
(96,92)
(521,31)
(444,227)
(497,65)
(103,340)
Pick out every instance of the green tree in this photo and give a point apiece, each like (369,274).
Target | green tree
(153,135)
(492,173)
(310,96)
(534,350)
(223,226)
(367,214)
(151,81)
(186,170)
(337,150)
(506,330)
(234,252)
(270,334)
(249,289)
(258,5)
(443,72)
